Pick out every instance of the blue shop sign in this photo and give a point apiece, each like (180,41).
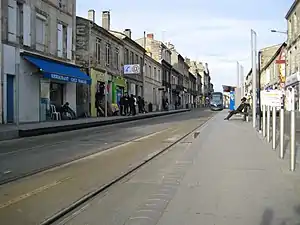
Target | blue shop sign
(66,78)
(59,71)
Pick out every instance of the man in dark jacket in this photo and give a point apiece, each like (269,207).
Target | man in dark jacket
(240,109)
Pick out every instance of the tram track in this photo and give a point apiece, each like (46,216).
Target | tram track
(80,202)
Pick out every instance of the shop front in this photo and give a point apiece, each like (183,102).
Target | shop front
(119,87)
(98,88)
(52,83)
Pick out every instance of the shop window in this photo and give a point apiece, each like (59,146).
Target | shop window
(82,104)
(56,94)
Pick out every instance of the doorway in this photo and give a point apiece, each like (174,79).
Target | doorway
(10,98)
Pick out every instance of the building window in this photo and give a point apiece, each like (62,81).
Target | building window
(20,22)
(131,58)
(290,29)
(61,40)
(98,50)
(126,56)
(150,75)
(40,33)
(155,75)
(158,75)
(117,57)
(107,54)
(136,61)
(295,20)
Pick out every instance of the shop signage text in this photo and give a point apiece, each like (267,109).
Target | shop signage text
(67,79)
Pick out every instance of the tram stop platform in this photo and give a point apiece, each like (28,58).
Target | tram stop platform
(233,177)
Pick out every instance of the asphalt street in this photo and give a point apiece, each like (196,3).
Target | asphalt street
(209,180)
(24,156)
(35,198)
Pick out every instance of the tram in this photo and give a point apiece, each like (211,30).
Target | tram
(216,101)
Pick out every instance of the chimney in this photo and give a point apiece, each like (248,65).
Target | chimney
(106,20)
(150,36)
(91,15)
(127,32)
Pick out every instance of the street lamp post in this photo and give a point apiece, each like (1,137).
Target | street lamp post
(254,91)
(277,31)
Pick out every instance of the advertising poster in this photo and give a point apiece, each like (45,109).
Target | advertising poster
(232,101)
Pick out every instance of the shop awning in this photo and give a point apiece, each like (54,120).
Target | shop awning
(59,71)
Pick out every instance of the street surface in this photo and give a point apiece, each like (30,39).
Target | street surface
(22,156)
(35,198)
(226,176)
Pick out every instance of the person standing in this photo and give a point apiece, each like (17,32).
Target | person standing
(126,104)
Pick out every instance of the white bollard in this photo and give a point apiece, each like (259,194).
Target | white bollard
(281,132)
(293,131)
(264,120)
(268,123)
(274,128)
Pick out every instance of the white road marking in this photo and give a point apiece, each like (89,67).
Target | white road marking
(31,193)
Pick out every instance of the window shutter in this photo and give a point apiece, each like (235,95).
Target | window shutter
(69,42)
(12,20)
(59,40)
(26,25)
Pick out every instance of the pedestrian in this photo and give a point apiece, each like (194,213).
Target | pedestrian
(132,105)
(239,109)
(126,104)
(139,104)
(121,103)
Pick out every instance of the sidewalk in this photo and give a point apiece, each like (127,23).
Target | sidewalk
(234,178)
(35,129)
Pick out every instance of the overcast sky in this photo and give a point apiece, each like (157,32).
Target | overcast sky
(215,31)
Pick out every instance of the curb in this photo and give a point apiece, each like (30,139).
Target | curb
(70,127)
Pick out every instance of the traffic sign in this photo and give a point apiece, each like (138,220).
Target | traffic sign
(132,69)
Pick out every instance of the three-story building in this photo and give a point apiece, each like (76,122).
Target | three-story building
(39,73)
(160,52)
(133,54)
(101,52)
(153,76)
(182,69)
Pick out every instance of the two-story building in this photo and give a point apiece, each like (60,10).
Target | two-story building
(160,52)
(39,73)
(134,54)
(101,52)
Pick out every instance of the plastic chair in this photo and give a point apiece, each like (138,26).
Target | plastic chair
(54,114)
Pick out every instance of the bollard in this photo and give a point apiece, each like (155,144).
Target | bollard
(293,131)
(274,128)
(268,123)
(281,132)
(264,120)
